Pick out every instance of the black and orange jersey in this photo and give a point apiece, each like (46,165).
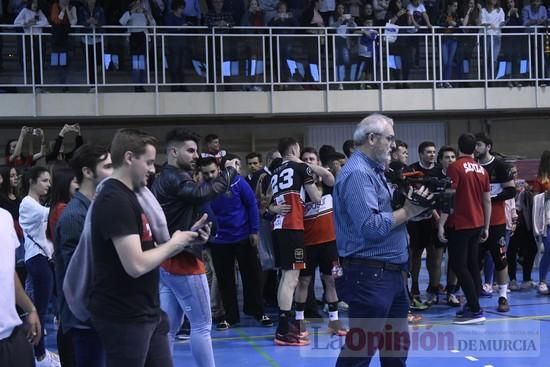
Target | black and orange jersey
(500,172)
(319,220)
(287,185)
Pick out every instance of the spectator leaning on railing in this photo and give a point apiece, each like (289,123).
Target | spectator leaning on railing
(513,46)
(177,46)
(471,18)
(492,17)
(62,16)
(91,16)
(449,43)
(535,15)
(342,22)
(137,18)
(32,19)
(400,49)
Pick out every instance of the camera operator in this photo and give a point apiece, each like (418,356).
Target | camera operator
(372,239)
(467,226)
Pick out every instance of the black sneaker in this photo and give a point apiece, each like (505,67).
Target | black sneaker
(290,339)
(298,327)
(503,305)
(223,325)
(264,320)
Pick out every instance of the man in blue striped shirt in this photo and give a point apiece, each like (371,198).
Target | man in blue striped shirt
(372,239)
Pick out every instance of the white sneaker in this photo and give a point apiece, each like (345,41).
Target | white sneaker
(50,360)
(487,288)
(543,288)
(343,306)
(513,286)
(528,285)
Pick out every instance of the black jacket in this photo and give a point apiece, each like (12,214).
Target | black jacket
(182,198)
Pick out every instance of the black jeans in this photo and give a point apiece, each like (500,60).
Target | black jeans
(88,351)
(464,260)
(136,344)
(15,350)
(223,257)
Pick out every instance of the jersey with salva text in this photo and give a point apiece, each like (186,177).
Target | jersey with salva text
(470,181)
(287,185)
(499,172)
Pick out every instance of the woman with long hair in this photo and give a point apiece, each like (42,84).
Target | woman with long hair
(64,185)
(542,201)
(10,200)
(33,217)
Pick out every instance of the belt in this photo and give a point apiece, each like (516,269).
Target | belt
(372,264)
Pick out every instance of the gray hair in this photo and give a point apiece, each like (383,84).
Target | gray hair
(374,123)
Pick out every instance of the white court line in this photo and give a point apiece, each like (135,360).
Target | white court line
(470,358)
(488,365)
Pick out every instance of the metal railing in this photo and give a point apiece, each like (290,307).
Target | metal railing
(273,58)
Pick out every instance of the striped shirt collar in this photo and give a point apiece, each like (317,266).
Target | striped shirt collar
(378,167)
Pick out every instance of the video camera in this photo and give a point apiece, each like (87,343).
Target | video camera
(404,181)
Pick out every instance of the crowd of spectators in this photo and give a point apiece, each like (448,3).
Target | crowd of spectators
(351,24)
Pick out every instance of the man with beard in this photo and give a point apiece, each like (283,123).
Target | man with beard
(502,189)
(183,280)
(372,239)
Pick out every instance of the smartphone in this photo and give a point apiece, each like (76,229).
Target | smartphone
(37,18)
(347,16)
(35,132)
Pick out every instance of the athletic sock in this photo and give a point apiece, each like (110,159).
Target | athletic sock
(503,290)
(333,311)
(300,308)
(282,328)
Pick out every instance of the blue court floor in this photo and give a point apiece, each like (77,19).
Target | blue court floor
(527,325)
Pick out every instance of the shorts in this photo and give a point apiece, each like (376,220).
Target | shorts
(324,256)
(496,245)
(422,234)
(289,249)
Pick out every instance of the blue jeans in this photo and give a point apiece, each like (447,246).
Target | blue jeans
(448,51)
(189,294)
(41,277)
(545,260)
(381,297)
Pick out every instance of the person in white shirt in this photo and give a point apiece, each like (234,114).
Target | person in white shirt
(33,218)
(136,18)
(32,19)
(492,17)
(15,341)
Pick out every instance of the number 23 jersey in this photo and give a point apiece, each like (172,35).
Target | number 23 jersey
(287,185)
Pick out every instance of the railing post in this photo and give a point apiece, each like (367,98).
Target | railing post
(155,55)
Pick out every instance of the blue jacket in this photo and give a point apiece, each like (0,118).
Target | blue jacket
(236,213)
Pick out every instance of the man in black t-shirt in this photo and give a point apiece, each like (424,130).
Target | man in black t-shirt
(502,189)
(423,233)
(124,300)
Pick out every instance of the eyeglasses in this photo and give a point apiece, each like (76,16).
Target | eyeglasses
(389,138)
